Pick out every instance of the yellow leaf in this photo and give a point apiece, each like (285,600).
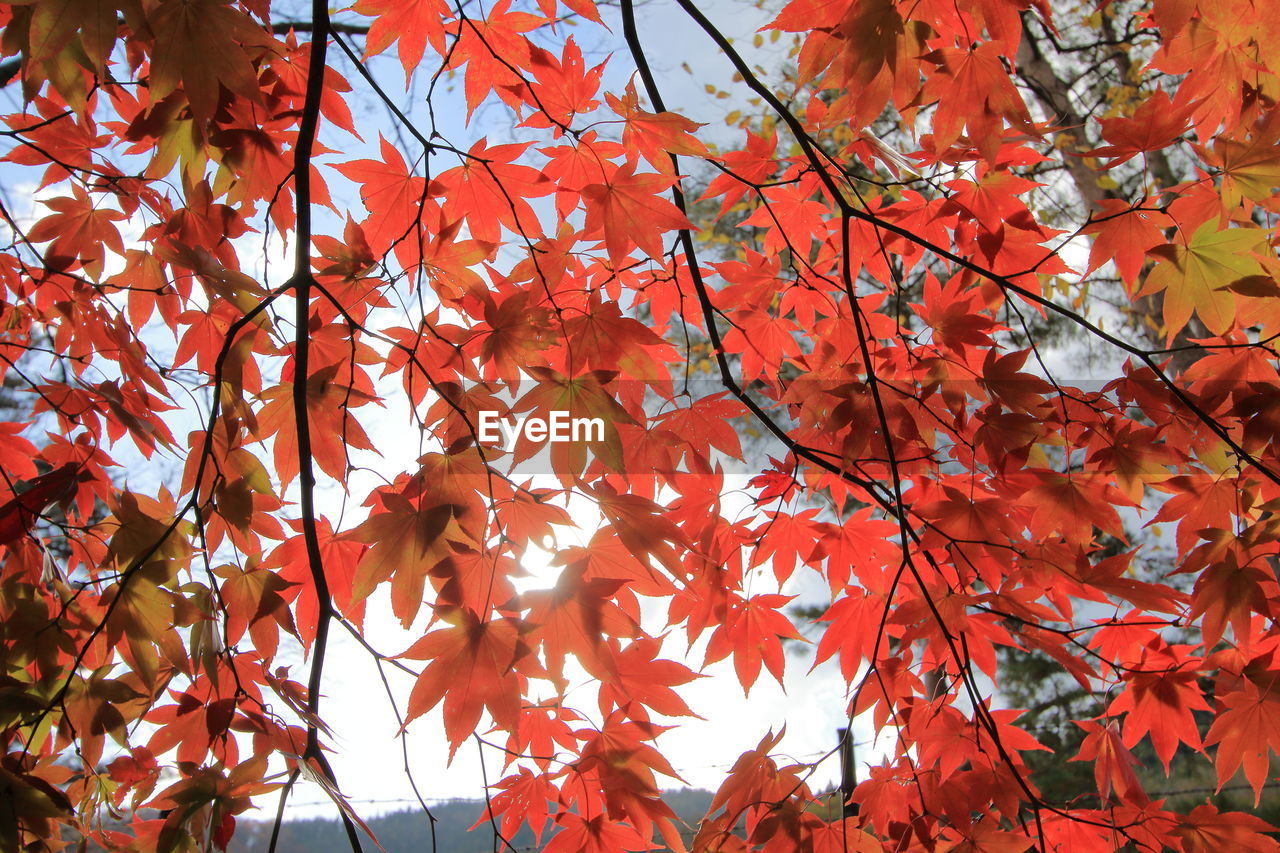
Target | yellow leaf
(1197,276)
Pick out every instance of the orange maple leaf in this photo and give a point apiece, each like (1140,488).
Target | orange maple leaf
(627,209)
(471,670)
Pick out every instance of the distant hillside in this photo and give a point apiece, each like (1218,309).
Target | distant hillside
(410,831)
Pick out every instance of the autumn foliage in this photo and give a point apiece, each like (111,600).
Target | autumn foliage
(906,210)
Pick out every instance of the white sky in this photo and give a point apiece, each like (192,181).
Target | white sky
(368,759)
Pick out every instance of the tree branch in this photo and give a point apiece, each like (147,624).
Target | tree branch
(1054,94)
(302,282)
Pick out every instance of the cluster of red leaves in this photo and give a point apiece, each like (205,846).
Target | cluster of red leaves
(975,505)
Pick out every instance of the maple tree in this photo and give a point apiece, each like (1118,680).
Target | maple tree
(902,246)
